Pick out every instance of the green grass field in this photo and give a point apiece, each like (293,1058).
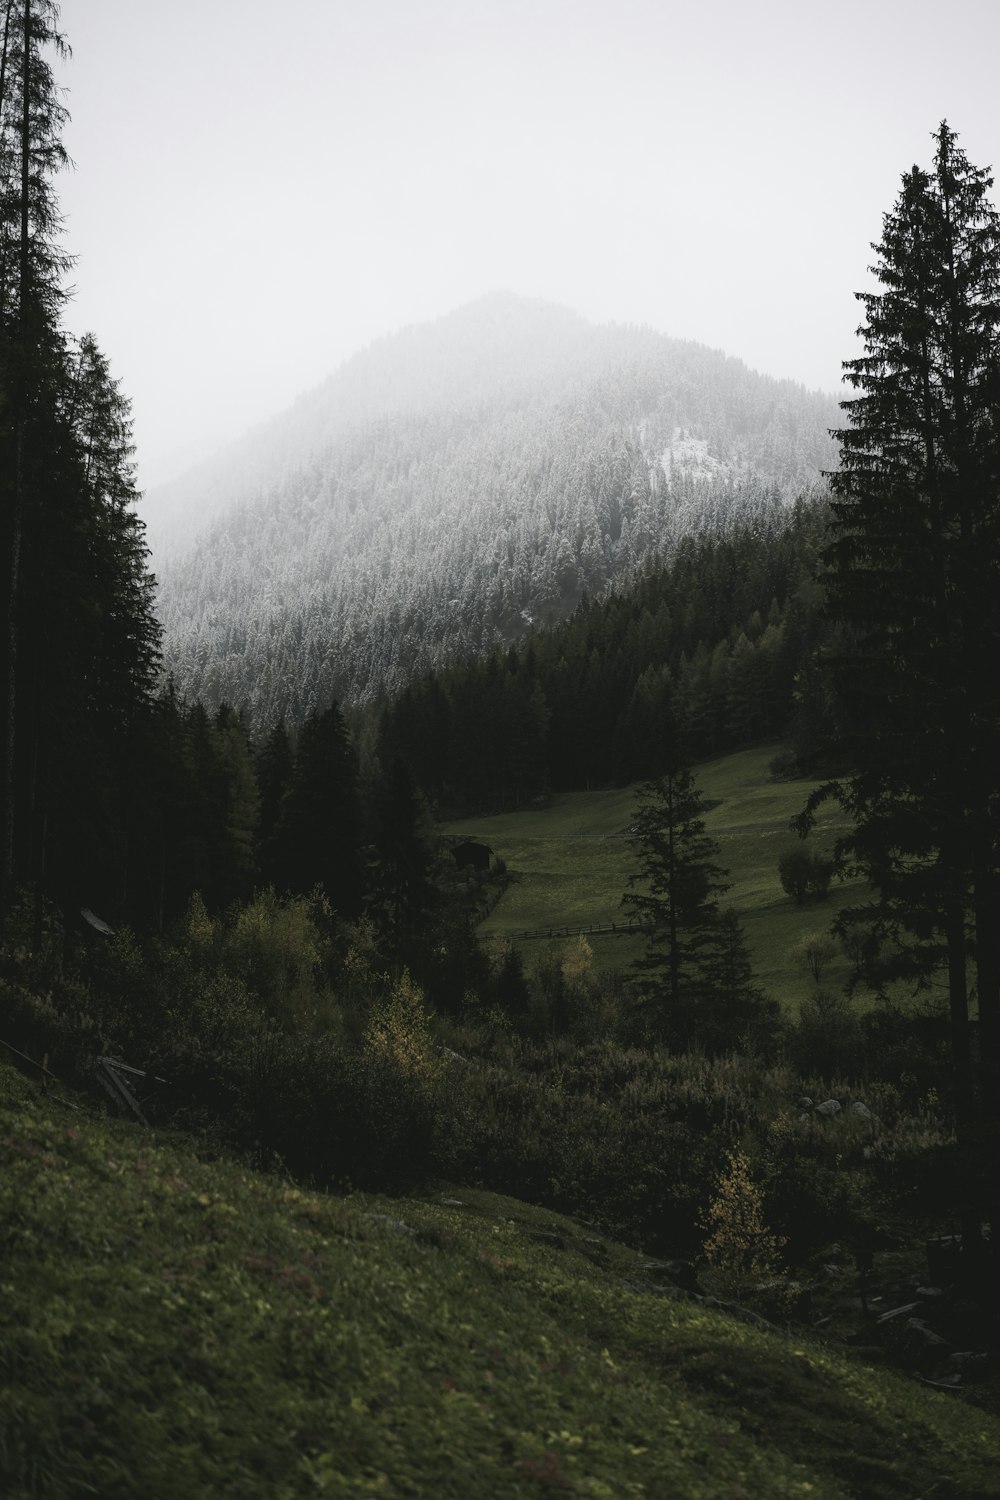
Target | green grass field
(571,868)
(177,1328)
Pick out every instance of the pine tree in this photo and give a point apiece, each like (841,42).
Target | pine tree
(320,834)
(674,894)
(30,295)
(79,644)
(403,897)
(274,765)
(914,585)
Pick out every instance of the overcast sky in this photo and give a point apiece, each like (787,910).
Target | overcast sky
(262,189)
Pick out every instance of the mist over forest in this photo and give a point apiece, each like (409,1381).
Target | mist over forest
(499,959)
(451,488)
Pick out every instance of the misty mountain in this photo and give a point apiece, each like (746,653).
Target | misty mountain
(454,485)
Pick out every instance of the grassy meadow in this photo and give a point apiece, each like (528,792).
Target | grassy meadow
(176,1325)
(570,865)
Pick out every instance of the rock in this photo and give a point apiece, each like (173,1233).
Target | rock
(547,1237)
(805,1102)
(672,1293)
(681,1272)
(920,1340)
(897,1312)
(736,1310)
(828,1108)
(454,1056)
(391,1225)
(861,1109)
(452,1202)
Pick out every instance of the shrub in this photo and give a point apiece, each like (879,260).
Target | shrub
(813,953)
(739,1244)
(829,1037)
(804,874)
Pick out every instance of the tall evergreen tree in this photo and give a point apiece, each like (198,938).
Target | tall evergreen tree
(914,585)
(30,294)
(79,642)
(674,892)
(403,897)
(274,765)
(320,835)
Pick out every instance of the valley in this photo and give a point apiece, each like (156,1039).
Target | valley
(639,1147)
(570,861)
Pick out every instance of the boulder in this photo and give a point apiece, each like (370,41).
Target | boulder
(828,1108)
(390,1225)
(680,1272)
(922,1343)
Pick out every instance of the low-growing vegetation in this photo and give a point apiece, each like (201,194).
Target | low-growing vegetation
(570,861)
(179,1325)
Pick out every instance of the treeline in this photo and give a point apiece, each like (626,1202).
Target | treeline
(209,812)
(456,513)
(719,645)
(79,642)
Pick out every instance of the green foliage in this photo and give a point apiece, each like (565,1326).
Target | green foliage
(280,948)
(80,645)
(710,642)
(695,977)
(568,991)
(829,1036)
(320,830)
(911,582)
(804,874)
(179,1325)
(738,1243)
(673,894)
(569,859)
(813,954)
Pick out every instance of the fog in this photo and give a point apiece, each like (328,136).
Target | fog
(259,191)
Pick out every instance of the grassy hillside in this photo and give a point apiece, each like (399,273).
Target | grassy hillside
(571,866)
(181,1327)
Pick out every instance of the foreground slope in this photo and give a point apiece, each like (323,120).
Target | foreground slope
(181,1327)
(453,485)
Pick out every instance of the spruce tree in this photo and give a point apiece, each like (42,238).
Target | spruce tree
(79,641)
(914,587)
(674,892)
(30,295)
(320,835)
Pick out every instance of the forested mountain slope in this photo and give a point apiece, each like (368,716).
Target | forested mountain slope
(455,484)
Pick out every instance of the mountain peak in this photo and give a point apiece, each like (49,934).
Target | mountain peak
(457,480)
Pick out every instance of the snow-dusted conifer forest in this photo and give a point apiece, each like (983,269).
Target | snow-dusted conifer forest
(451,487)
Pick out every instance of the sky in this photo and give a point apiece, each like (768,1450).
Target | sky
(260,190)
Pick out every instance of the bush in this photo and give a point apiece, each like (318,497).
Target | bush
(739,1244)
(814,953)
(804,874)
(829,1038)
